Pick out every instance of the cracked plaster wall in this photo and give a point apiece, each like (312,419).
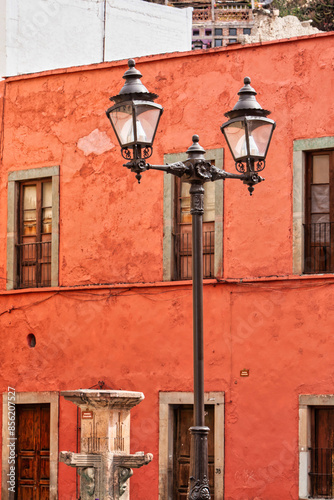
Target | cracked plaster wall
(111,228)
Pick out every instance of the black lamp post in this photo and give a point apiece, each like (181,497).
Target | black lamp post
(248,132)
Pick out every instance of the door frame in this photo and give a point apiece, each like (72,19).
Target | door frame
(167,402)
(25,398)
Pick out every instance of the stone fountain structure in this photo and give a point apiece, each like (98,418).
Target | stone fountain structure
(104,462)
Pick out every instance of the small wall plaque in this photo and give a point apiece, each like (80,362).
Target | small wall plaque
(85,415)
(244,373)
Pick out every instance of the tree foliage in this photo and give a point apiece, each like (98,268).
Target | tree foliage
(321,12)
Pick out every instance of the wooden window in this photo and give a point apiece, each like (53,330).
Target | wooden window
(322,452)
(319,212)
(174,223)
(35,233)
(183,230)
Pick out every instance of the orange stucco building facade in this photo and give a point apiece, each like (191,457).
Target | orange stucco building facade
(112,311)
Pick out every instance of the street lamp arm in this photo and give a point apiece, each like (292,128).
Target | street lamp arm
(139,166)
(249,178)
(178,168)
(195,170)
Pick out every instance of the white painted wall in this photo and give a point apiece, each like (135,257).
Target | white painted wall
(2,37)
(37,35)
(142,28)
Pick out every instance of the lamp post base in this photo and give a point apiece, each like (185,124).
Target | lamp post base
(199,482)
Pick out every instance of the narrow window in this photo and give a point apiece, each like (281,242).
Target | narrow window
(232,31)
(183,232)
(322,453)
(319,212)
(35,232)
(218,42)
(218,32)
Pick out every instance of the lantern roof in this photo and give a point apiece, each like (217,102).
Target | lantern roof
(133,87)
(247,103)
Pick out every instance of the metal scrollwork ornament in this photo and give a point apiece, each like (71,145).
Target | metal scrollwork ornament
(202,170)
(147,152)
(126,153)
(178,168)
(200,490)
(260,166)
(240,167)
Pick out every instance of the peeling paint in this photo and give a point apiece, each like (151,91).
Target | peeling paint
(96,142)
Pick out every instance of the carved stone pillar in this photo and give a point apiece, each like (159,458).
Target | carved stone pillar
(104,462)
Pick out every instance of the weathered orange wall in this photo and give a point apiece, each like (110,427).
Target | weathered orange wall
(137,337)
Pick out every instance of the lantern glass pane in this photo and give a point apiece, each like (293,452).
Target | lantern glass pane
(122,121)
(236,138)
(147,121)
(259,137)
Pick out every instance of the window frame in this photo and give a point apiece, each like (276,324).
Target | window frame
(169,213)
(300,149)
(39,235)
(327,267)
(14,184)
(307,403)
(167,402)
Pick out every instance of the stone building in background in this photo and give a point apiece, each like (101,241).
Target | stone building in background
(217,23)
(269,26)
